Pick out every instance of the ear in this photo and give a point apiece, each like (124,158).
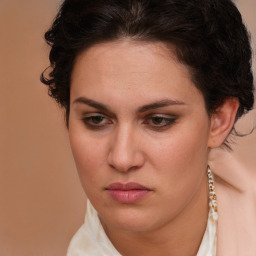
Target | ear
(222,121)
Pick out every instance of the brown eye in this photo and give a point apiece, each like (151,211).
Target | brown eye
(96,121)
(159,121)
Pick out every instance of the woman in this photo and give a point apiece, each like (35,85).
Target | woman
(149,88)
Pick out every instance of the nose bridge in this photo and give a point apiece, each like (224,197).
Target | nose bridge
(124,152)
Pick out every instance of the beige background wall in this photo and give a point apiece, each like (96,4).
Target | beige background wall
(41,201)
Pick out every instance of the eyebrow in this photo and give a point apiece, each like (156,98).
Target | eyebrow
(91,103)
(160,104)
(147,107)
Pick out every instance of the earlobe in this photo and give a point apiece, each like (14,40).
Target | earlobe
(222,121)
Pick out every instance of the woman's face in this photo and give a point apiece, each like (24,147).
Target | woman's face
(139,132)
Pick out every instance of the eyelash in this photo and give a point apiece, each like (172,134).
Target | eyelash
(168,121)
(88,121)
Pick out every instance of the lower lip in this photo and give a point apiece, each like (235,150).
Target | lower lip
(128,196)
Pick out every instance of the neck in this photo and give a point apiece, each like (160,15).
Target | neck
(181,237)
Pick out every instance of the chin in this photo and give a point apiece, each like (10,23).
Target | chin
(133,220)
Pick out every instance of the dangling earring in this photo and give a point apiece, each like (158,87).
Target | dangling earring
(212,196)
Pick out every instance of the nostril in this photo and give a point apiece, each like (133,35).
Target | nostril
(124,153)
(129,163)
(134,168)
(123,167)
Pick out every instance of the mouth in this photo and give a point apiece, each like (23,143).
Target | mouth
(127,193)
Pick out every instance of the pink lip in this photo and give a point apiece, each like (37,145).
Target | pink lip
(127,193)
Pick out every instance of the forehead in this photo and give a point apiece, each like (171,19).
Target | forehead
(126,57)
(127,68)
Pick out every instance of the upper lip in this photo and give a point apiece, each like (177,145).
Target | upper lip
(126,186)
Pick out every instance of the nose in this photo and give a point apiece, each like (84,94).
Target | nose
(125,151)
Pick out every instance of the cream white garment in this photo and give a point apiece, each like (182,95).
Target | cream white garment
(91,240)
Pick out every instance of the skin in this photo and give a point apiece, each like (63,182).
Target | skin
(164,148)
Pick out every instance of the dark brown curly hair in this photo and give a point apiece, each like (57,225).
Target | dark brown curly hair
(209,37)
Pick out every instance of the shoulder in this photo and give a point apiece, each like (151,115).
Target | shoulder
(235,183)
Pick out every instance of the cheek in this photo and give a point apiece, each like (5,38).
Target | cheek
(181,148)
(89,157)
(182,159)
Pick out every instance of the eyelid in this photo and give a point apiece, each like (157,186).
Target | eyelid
(161,115)
(165,116)
(92,114)
(87,120)
(168,120)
